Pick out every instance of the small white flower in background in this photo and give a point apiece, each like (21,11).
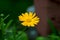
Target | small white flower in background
(2,14)
(31,9)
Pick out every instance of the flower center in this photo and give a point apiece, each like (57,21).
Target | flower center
(28,20)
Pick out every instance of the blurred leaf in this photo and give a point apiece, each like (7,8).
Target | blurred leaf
(23,36)
(20,32)
(5,18)
(8,24)
(41,38)
(9,36)
(14,32)
(53,37)
(52,27)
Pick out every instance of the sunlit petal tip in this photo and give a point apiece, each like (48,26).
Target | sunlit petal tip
(23,24)
(29,26)
(31,13)
(26,12)
(34,15)
(33,25)
(22,14)
(38,18)
(34,12)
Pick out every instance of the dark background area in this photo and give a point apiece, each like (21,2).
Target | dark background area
(14,8)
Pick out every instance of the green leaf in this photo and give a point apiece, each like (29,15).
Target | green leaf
(53,37)
(41,38)
(2,21)
(23,36)
(20,32)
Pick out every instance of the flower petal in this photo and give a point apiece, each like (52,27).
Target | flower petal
(34,15)
(29,20)
(26,14)
(30,13)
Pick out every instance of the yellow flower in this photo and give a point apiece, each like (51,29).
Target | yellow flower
(29,19)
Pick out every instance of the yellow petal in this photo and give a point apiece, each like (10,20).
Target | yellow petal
(30,13)
(34,15)
(24,23)
(26,14)
(36,22)
(28,25)
(20,18)
(29,20)
(22,14)
(36,18)
(32,25)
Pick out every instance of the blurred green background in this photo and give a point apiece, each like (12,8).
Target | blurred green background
(14,8)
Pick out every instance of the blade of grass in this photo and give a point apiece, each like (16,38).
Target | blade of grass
(2,20)
(8,24)
(5,18)
(19,35)
(23,36)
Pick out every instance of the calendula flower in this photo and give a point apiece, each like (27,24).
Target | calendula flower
(29,19)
